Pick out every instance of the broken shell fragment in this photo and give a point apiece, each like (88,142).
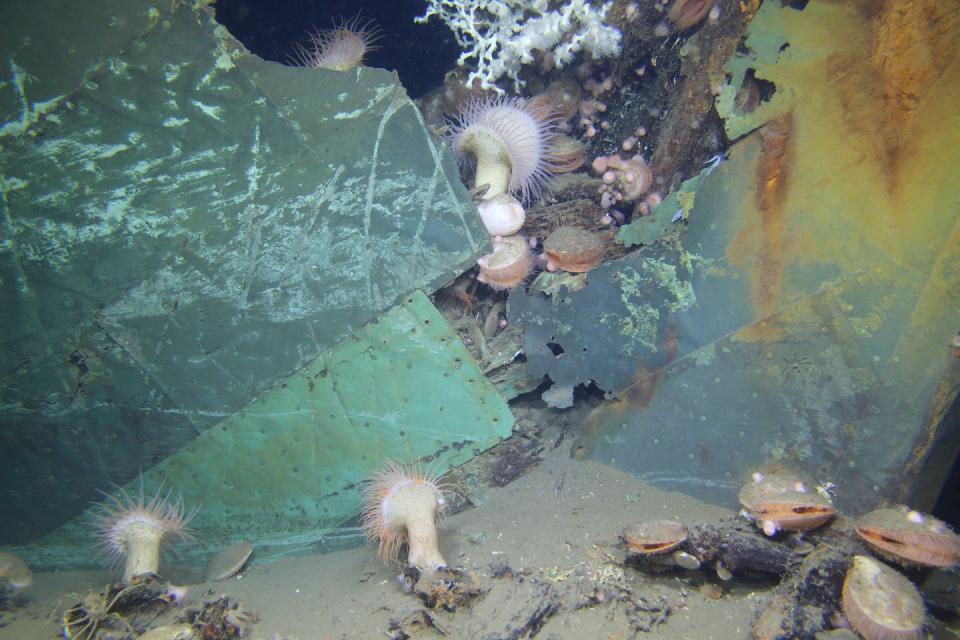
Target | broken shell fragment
(910,537)
(778,502)
(685,561)
(572,249)
(880,603)
(228,562)
(509,264)
(722,572)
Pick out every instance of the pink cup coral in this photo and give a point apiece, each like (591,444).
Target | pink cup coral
(341,48)
(133,529)
(624,178)
(401,506)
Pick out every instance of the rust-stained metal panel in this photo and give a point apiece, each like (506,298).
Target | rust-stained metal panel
(824,258)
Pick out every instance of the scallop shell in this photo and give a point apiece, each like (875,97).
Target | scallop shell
(228,562)
(564,96)
(686,13)
(14,572)
(654,537)
(910,537)
(573,249)
(568,154)
(880,603)
(785,502)
(182,631)
(509,264)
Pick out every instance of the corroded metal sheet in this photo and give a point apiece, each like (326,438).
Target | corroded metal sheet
(288,469)
(183,226)
(823,260)
(845,381)
(603,332)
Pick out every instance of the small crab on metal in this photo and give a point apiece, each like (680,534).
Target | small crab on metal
(827,489)
(795,366)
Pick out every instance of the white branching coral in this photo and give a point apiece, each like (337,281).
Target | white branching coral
(499,36)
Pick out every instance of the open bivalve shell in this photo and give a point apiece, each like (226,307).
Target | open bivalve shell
(910,537)
(658,542)
(654,537)
(779,502)
(880,603)
(508,266)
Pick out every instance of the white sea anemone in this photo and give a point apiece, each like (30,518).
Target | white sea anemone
(509,139)
(133,528)
(341,48)
(401,506)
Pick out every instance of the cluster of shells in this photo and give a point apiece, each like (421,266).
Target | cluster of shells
(878,601)
(569,249)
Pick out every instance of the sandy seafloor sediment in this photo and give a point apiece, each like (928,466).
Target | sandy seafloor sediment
(553,534)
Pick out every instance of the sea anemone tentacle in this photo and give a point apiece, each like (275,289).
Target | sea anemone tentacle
(340,48)
(402,505)
(132,529)
(510,142)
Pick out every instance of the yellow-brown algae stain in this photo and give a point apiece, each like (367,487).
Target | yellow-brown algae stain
(763,248)
(910,48)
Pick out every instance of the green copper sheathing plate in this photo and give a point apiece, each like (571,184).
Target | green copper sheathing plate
(822,257)
(602,333)
(182,226)
(288,468)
